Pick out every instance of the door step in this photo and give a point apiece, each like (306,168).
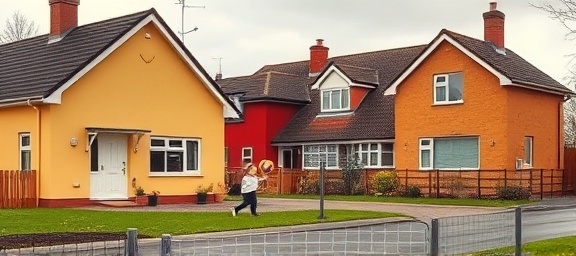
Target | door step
(119,203)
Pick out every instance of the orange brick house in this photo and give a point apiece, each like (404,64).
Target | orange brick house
(470,104)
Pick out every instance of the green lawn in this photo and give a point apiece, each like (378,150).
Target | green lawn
(404,200)
(27,221)
(565,246)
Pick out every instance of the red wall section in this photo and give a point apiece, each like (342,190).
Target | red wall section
(357,94)
(262,121)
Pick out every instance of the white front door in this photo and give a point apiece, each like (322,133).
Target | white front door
(108,177)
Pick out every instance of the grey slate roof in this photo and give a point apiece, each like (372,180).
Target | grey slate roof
(270,85)
(373,119)
(359,74)
(33,68)
(511,64)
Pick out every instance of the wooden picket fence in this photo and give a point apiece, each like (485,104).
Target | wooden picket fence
(18,189)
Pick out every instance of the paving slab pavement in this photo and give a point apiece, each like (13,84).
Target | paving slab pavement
(419,211)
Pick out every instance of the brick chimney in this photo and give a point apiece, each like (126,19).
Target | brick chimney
(63,17)
(494,26)
(318,57)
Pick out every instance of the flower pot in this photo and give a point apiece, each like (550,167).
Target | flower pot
(152,200)
(141,200)
(219,197)
(201,198)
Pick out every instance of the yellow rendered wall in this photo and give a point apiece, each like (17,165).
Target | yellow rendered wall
(535,114)
(15,120)
(123,91)
(482,114)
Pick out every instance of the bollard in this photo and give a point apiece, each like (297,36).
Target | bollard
(166,245)
(434,245)
(518,231)
(322,164)
(131,247)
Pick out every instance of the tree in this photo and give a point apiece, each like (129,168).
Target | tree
(564,11)
(18,28)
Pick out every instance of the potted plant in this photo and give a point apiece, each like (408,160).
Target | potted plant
(202,194)
(153,198)
(141,197)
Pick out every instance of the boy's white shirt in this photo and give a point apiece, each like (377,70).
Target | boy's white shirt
(249,184)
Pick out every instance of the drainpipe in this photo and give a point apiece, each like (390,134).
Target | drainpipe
(560,128)
(39,158)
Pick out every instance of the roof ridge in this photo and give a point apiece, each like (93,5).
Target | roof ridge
(341,56)
(358,67)
(378,51)
(278,73)
(151,10)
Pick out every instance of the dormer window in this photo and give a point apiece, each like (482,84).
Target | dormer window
(335,99)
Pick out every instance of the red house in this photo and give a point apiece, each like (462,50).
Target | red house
(268,101)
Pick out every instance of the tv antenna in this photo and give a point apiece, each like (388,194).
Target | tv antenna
(219,64)
(184,6)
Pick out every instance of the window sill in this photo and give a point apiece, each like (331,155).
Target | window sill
(334,113)
(458,102)
(378,167)
(175,175)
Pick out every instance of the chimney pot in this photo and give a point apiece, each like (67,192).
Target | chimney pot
(493,6)
(63,17)
(318,57)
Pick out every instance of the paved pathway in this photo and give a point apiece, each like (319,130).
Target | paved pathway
(422,212)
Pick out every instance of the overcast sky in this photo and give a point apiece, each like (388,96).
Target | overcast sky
(248,34)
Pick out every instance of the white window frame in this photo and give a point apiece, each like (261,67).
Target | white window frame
(379,151)
(330,108)
(430,147)
(528,151)
(446,85)
(22,149)
(307,150)
(246,157)
(167,148)
(226,155)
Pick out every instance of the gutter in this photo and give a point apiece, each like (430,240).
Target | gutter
(20,101)
(39,148)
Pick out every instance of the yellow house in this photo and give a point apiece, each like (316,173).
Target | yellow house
(101,109)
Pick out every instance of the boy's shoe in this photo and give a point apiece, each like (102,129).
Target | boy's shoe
(256,215)
(233,212)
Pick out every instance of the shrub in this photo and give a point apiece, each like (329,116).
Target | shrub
(235,189)
(351,174)
(412,191)
(308,184)
(385,182)
(512,192)
(456,187)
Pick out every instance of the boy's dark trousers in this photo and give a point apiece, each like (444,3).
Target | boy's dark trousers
(249,199)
